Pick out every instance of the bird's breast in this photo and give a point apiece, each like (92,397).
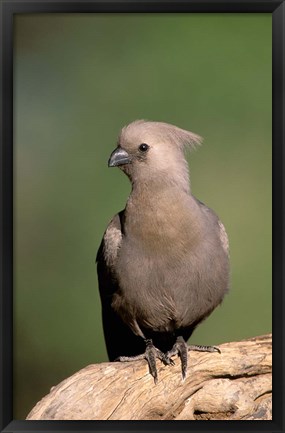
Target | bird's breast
(171,289)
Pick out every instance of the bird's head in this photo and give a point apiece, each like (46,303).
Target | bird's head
(153,150)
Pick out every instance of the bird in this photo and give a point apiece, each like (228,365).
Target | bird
(163,263)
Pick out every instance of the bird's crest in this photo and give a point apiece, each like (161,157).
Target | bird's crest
(182,138)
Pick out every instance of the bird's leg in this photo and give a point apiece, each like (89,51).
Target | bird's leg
(181,349)
(150,354)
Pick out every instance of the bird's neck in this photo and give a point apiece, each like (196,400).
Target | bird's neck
(162,182)
(156,215)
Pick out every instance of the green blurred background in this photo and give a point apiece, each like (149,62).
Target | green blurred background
(78,79)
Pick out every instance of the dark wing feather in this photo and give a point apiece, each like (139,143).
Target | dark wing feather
(119,339)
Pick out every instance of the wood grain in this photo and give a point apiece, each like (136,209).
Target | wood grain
(233,385)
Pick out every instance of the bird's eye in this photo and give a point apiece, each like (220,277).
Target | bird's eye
(143,147)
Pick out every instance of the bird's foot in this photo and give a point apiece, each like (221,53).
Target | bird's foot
(150,354)
(181,349)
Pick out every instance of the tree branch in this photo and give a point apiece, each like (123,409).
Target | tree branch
(233,385)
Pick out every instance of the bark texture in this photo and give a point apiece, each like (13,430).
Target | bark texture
(233,385)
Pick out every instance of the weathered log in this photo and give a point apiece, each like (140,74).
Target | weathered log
(233,385)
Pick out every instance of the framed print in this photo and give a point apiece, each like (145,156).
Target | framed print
(99,267)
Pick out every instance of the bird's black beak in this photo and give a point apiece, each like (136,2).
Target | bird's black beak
(119,157)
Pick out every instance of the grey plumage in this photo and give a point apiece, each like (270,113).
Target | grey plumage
(163,264)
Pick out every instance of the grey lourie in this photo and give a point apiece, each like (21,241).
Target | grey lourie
(163,263)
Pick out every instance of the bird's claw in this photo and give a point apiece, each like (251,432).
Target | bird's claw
(199,348)
(167,360)
(150,354)
(181,349)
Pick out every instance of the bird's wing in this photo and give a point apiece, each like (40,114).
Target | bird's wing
(224,237)
(222,231)
(108,251)
(119,339)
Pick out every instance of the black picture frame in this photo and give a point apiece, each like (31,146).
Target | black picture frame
(8,9)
